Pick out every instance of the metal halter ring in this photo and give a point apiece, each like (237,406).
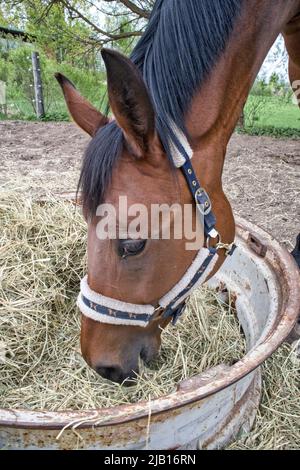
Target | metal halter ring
(220,246)
(218,243)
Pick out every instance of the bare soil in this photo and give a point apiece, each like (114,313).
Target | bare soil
(261,175)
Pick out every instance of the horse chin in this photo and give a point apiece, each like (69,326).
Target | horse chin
(149,354)
(114,352)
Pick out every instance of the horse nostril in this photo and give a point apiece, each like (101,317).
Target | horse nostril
(115,374)
(110,373)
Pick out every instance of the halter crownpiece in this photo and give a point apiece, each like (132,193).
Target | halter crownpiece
(106,310)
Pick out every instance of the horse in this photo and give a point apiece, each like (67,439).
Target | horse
(183,87)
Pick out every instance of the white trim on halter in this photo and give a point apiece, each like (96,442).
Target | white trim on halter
(179,159)
(113,303)
(186,279)
(135,309)
(98,317)
(122,313)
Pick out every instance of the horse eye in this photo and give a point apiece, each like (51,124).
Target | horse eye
(131,247)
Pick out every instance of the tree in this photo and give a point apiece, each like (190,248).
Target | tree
(89,23)
(125,19)
(50,27)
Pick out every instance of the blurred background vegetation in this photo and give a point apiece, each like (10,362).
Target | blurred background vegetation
(69,34)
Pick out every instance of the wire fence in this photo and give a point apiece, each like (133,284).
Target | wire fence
(271,108)
(29,90)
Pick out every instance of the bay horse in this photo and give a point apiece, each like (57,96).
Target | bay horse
(191,71)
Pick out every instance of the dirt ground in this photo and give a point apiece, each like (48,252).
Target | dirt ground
(261,176)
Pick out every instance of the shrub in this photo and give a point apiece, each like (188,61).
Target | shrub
(16,71)
(271,131)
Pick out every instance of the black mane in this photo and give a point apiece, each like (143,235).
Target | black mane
(182,42)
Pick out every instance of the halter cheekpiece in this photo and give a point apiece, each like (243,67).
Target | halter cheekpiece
(106,310)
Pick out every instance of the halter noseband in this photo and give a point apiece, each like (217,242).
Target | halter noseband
(106,310)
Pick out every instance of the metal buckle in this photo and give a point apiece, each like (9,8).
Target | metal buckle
(219,246)
(206,210)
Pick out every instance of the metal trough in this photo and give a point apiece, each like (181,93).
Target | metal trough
(206,411)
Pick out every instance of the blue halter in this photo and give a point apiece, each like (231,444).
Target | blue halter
(106,310)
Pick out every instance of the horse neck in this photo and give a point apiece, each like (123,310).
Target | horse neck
(222,96)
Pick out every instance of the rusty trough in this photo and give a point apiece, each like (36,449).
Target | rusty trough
(206,411)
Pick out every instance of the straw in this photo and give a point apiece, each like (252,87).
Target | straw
(42,252)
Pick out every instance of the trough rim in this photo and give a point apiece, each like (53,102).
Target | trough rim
(290,281)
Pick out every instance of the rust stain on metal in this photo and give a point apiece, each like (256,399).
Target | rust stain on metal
(257,246)
(236,410)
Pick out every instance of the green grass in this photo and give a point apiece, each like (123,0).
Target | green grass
(271,115)
(285,116)
(22,110)
(274,112)
(271,131)
(266,115)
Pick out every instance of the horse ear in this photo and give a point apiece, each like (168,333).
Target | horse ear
(130,101)
(84,114)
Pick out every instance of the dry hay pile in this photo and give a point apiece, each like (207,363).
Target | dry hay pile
(42,252)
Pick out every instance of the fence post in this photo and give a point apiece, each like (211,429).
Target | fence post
(241,121)
(3,104)
(38,87)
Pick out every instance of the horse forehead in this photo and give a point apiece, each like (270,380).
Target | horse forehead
(140,183)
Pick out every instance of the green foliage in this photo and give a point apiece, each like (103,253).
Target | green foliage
(270,111)
(56,116)
(59,35)
(275,111)
(275,87)
(121,24)
(261,88)
(16,71)
(254,109)
(5,69)
(68,45)
(6,16)
(272,131)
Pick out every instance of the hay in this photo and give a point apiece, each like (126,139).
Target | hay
(42,251)
(277,424)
